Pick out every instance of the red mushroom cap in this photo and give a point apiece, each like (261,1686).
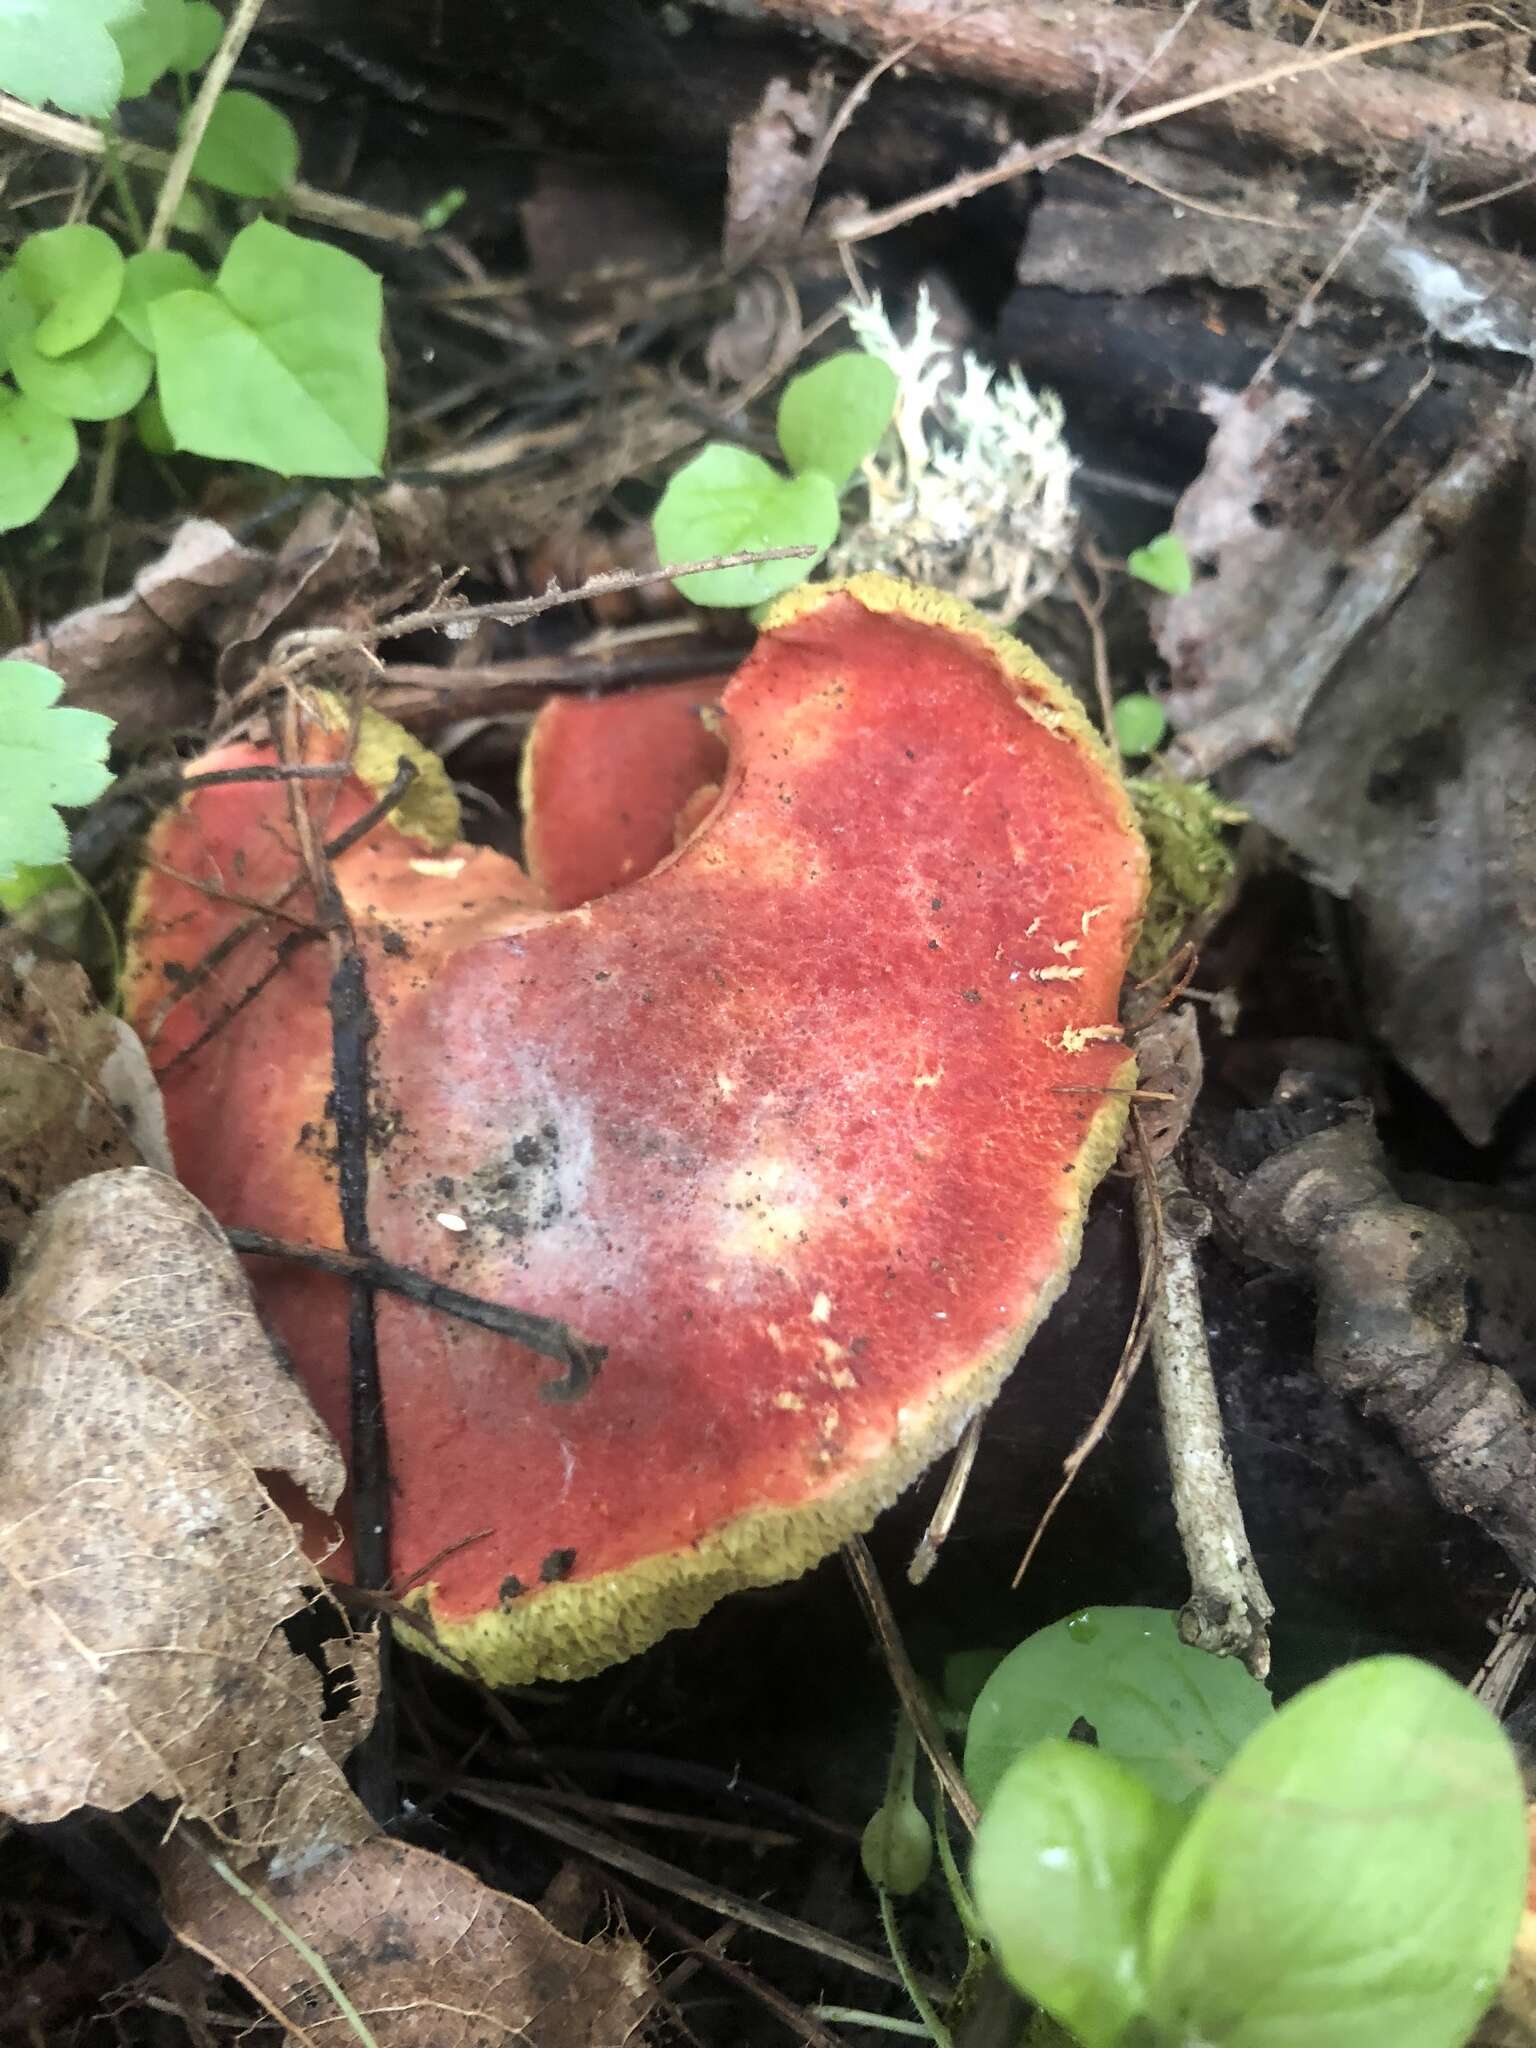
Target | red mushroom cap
(800,1126)
(604,780)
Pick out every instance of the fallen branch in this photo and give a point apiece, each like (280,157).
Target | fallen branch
(1084,52)
(1392,1319)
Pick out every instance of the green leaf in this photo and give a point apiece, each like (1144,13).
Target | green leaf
(61,52)
(107,377)
(249,148)
(149,276)
(38,449)
(149,425)
(1066,1858)
(202,32)
(1355,1877)
(71,278)
(149,44)
(280,364)
(442,209)
(1173,1714)
(727,500)
(50,754)
(1164,563)
(1141,723)
(16,315)
(831,417)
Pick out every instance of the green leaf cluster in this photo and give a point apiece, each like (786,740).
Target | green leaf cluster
(1353,1873)
(727,499)
(275,359)
(50,754)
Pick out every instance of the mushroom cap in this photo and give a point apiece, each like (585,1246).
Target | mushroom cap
(801,1125)
(604,780)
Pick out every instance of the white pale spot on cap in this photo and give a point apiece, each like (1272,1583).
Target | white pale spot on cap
(786,1397)
(449,1221)
(821,1309)
(447,868)
(923,1079)
(726,1086)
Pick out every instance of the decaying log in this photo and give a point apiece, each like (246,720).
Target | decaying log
(1080,53)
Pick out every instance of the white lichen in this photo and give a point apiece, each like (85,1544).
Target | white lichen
(975,493)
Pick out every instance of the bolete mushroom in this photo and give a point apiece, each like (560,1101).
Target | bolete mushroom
(606,780)
(801,1126)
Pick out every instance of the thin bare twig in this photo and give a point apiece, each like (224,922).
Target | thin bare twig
(942,1520)
(79,138)
(1228,1610)
(195,127)
(909,1687)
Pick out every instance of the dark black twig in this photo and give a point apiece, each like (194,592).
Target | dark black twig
(282,771)
(353,1024)
(546,1336)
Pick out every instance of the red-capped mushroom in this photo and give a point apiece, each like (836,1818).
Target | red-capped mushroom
(604,780)
(800,1126)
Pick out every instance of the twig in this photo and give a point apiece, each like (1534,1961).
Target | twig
(1505,1665)
(545,1336)
(942,1520)
(327,639)
(79,138)
(654,1870)
(1132,1352)
(909,1687)
(1228,1610)
(1273,717)
(353,1025)
(193,129)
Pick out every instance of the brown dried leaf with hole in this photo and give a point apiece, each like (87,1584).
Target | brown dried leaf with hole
(134,656)
(145,1573)
(76,1091)
(428,1955)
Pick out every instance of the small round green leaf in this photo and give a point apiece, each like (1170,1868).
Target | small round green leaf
(250,148)
(1356,1875)
(1173,1714)
(107,377)
(727,500)
(61,51)
(201,33)
(1141,724)
(1164,563)
(16,314)
(833,416)
(281,363)
(1066,1858)
(149,43)
(49,754)
(72,278)
(38,449)
(149,276)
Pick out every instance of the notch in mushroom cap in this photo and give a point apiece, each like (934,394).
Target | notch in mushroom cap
(605,780)
(801,1126)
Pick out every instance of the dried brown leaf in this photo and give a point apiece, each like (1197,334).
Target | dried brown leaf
(428,1955)
(130,657)
(76,1091)
(145,1572)
(770,171)
(1169,1063)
